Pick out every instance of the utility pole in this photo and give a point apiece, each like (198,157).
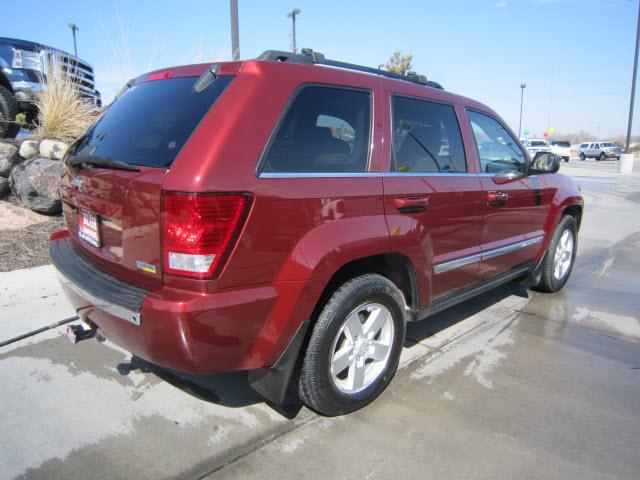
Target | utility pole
(235,35)
(633,83)
(74,28)
(522,87)
(292,15)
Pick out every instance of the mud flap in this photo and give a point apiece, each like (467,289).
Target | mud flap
(272,382)
(533,279)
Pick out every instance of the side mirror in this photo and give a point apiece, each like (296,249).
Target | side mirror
(544,162)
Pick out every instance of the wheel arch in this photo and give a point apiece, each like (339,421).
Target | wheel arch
(575,211)
(397,267)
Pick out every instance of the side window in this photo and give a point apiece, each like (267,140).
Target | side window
(498,151)
(426,137)
(325,130)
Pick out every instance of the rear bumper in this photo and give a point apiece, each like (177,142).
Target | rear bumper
(198,332)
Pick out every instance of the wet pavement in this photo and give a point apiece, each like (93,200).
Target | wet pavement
(512,384)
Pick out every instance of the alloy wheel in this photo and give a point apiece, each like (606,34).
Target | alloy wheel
(563,255)
(362,347)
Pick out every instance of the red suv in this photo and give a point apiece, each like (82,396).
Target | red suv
(288,215)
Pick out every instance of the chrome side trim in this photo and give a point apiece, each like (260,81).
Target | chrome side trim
(318,175)
(371,174)
(511,248)
(457,263)
(104,305)
(496,252)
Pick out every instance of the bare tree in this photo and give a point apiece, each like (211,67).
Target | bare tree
(399,63)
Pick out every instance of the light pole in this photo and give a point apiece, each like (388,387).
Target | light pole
(292,14)
(235,34)
(522,87)
(74,28)
(633,84)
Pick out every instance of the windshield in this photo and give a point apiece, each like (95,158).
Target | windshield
(150,122)
(607,144)
(537,143)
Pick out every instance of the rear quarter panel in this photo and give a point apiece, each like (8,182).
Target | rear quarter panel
(298,229)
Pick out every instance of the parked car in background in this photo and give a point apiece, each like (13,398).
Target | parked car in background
(534,146)
(299,251)
(23,65)
(562,149)
(600,151)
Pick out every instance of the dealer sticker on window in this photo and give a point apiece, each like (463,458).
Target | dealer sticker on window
(88,228)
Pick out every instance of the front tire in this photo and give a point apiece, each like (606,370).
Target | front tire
(355,346)
(8,111)
(602,157)
(560,256)
(582,157)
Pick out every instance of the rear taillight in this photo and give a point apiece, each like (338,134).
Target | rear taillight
(198,231)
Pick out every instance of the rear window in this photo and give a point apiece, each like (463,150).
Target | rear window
(562,144)
(537,143)
(150,123)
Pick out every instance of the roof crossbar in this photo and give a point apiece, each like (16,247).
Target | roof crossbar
(308,56)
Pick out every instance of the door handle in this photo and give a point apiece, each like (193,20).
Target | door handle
(496,199)
(411,204)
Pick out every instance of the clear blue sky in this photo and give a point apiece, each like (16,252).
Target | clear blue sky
(575,56)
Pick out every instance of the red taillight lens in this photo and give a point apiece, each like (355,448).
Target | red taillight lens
(198,230)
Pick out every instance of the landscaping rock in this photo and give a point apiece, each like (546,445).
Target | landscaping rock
(35,182)
(4,187)
(8,157)
(29,148)
(53,149)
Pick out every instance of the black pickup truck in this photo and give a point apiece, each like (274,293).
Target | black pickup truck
(22,65)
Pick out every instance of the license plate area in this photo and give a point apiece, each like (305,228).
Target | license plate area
(89,227)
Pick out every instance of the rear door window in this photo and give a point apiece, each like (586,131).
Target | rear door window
(426,137)
(150,122)
(325,130)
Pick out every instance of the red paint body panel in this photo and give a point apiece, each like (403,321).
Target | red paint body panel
(299,231)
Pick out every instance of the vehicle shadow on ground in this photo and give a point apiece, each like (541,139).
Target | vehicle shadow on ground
(232,389)
(421,330)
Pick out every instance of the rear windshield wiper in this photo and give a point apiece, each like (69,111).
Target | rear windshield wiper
(81,160)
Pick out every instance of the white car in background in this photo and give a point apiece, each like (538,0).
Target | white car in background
(534,146)
(562,149)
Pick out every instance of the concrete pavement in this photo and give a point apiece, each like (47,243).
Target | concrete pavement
(514,383)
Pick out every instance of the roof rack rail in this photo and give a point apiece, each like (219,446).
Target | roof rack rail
(308,56)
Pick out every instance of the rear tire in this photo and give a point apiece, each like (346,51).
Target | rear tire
(560,256)
(8,111)
(355,346)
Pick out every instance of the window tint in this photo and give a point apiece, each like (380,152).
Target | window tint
(150,122)
(326,130)
(498,151)
(537,143)
(562,144)
(426,137)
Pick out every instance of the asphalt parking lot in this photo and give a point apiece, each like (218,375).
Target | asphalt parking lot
(511,384)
